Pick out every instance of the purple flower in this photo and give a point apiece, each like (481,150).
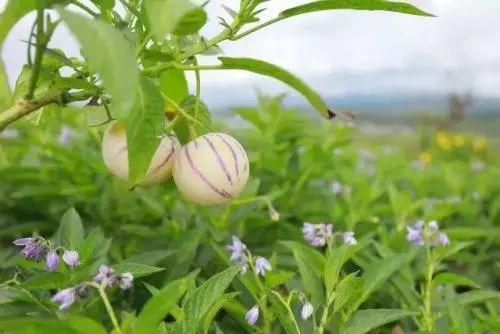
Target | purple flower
(238,250)
(336,188)
(66,135)
(433,225)
(307,310)
(317,235)
(23,241)
(261,266)
(349,238)
(252,315)
(65,297)
(125,281)
(443,239)
(106,275)
(71,257)
(415,234)
(51,261)
(33,251)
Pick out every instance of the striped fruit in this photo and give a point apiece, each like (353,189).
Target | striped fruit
(115,155)
(211,169)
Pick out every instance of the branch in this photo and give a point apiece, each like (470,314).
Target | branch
(24,107)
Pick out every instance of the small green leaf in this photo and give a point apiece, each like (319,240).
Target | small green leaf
(365,320)
(476,296)
(45,281)
(322,5)
(158,306)
(209,317)
(454,279)
(173,16)
(105,4)
(199,301)
(13,12)
(137,269)
(70,234)
(347,291)
(271,70)
(284,313)
(191,22)
(311,264)
(201,115)
(116,67)
(377,273)
(174,85)
(144,129)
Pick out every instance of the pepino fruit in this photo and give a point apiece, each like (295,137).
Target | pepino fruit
(115,155)
(212,169)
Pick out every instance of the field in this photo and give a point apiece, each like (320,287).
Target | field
(375,183)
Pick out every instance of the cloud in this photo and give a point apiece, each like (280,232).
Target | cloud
(347,52)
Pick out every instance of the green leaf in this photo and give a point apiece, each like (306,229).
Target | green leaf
(144,129)
(199,301)
(137,269)
(105,4)
(365,320)
(50,280)
(116,67)
(181,17)
(277,277)
(174,85)
(191,22)
(200,114)
(5,93)
(84,325)
(284,313)
(158,306)
(377,273)
(209,317)
(476,296)
(348,290)
(13,12)
(454,279)
(271,70)
(311,264)
(317,6)
(94,246)
(70,234)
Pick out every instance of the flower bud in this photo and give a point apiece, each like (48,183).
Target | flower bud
(51,261)
(252,315)
(115,155)
(211,169)
(307,310)
(70,257)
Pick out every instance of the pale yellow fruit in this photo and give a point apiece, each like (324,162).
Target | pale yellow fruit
(212,169)
(115,155)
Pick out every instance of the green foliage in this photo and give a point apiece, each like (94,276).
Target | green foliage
(144,129)
(315,6)
(116,67)
(13,12)
(264,68)
(365,320)
(70,232)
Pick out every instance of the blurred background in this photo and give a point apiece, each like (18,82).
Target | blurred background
(384,66)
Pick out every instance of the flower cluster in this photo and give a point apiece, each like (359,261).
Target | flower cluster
(422,233)
(318,235)
(240,255)
(38,248)
(106,277)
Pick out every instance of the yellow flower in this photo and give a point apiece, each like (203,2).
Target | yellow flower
(458,140)
(443,140)
(425,157)
(479,144)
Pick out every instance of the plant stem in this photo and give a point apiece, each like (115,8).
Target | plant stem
(85,8)
(24,107)
(324,316)
(257,27)
(109,309)
(40,46)
(427,317)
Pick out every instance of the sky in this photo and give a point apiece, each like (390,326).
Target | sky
(345,53)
